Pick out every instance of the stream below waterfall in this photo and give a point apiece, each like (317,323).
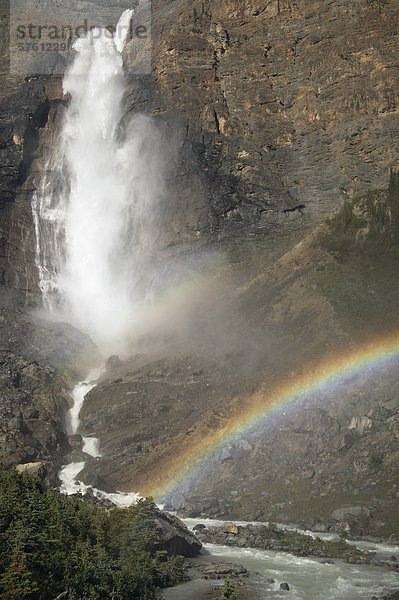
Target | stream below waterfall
(308,578)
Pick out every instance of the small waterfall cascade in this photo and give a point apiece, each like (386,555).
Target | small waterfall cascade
(95,208)
(69,474)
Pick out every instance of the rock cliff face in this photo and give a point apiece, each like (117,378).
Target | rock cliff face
(276,104)
(270,105)
(283,102)
(38,362)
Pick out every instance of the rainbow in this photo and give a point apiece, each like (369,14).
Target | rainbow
(333,371)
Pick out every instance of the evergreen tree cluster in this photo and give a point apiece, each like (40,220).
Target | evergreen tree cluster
(375,213)
(52,544)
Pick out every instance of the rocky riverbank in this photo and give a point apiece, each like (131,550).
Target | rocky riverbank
(269,537)
(392,596)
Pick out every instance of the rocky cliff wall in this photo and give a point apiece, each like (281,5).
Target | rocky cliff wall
(275,104)
(283,102)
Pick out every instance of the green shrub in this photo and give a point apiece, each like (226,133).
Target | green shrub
(51,543)
(229,591)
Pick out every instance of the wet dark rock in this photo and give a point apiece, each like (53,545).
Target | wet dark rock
(285,586)
(75,441)
(176,538)
(387,596)
(76,456)
(223,570)
(89,475)
(113,362)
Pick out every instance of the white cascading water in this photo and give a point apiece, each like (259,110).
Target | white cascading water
(94,215)
(95,211)
(70,473)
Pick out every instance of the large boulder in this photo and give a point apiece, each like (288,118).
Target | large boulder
(176,538)
(34,468)
(351,512)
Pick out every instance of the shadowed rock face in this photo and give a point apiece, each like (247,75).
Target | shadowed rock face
(176,539)
(282,107)
(38,361)
(32,409)
(271,105)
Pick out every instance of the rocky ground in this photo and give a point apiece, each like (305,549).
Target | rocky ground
(327,462)
(269,537)
(39,360)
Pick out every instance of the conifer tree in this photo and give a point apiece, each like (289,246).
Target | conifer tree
(17,582)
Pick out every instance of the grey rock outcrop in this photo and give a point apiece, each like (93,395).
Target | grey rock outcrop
(34,468)
(340,514)
(38,361)
(223,570)
(32,410)
(176,539)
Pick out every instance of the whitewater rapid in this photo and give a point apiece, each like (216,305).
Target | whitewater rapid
(309,578)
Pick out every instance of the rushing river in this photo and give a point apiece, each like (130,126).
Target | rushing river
(308,578)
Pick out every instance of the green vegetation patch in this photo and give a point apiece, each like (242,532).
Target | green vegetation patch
(51,543)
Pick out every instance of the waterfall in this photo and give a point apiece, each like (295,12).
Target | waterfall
(95,209)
